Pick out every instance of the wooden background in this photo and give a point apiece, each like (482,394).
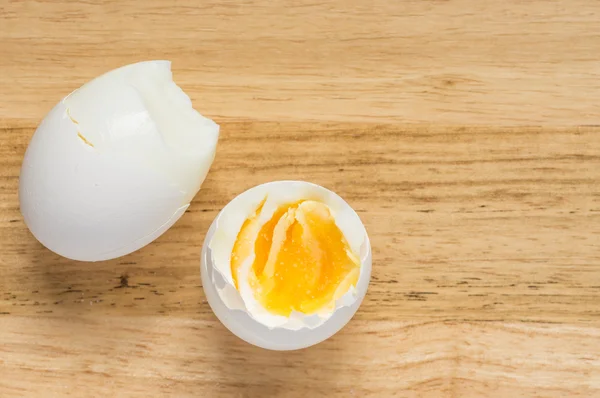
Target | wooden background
(465,133)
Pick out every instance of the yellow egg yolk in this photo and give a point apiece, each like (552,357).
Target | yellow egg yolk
(302,260)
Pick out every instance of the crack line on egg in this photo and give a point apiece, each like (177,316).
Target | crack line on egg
(71,117)
(84,139)
(75,122)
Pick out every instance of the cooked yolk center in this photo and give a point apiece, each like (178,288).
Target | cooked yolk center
(302,260)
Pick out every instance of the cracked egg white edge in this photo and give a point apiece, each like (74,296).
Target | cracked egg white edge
(230,220)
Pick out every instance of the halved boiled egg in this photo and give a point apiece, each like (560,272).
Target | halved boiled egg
(289,254)
(115,163)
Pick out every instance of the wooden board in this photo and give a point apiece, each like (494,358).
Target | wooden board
(422,114)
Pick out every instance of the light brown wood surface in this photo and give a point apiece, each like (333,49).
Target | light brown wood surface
(465,134)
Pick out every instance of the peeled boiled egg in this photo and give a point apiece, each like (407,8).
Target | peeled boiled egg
(286,264)
(115,163)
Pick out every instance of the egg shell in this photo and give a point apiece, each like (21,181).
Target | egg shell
(228,223)
(90,198)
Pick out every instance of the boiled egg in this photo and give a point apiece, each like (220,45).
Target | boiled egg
(285,257)
(115,163)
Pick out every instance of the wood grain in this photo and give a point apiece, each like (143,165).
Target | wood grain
(485,229)
(458,61)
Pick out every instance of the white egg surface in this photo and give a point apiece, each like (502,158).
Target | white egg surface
(115,164)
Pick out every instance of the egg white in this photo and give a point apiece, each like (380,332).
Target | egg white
(229,223)
(115,164)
